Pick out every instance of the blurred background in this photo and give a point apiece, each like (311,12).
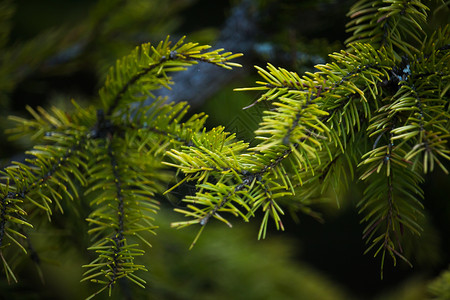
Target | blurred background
(54,51)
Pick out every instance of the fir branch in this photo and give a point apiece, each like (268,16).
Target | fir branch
(219,205)
(393,206)
(388,24)
(363,89)
(29,181)
(118,183)
(128,191)
(283,147)
(149,66)
(278,159)
(133,80)
(118,238)
(248,179)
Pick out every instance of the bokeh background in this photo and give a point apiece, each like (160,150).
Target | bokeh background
(54,51)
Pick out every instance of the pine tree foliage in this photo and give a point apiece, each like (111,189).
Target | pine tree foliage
(112,154)
(377,113)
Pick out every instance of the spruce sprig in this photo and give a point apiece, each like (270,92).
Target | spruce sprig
(112,153)
(379,109)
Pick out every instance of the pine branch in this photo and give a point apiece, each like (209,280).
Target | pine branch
(74,147)
(146,68)
(34,182)
(375,93)
(113,223)
(124,192)
(394,25)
